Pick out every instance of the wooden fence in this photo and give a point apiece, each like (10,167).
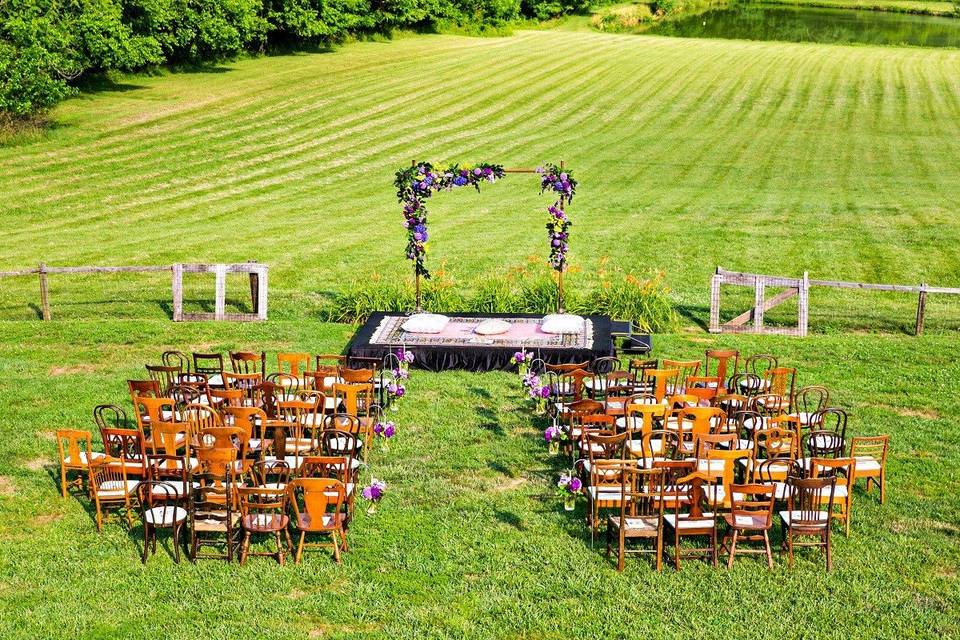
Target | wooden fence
(258,286)
(751,321)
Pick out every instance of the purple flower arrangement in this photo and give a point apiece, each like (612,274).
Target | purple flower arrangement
(553,433)
(569,484)
(385,430)
(401,373)
(373,493)
(419,182)
(404,356)
(555,179)
(396,389)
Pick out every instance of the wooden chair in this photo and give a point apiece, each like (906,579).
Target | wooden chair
(605,488)
(686,369)
(176,359)
(318,505)
(750,519)
(213,519)
(662,379)
(640,419)
(247,362)
(710,441)
(844,471)
(640,516)
(688,512)
(143,389)
(160,509)
(149,411)
(870,452)
(821,444)
(704,388)
(292,363)
(272,474)
(638,371)
(759,363)
(658,445)
(336,467)
(263,512)
(253,422)
(126,448)
(773,472)
(338,439)
(168,437)
(110,488)
(722,464)
(75,451)
(717,362)
(198,381)
(601,445)
(172,470)
(246,383)
(354,399)
(183,395)
(781,381)
(200,417)
(304,424)
(222,398)
(164,376)
(745,383)
(567,368)
(110,416)
(694,422)
(776,443)
(805,516)
(210,364)
(808,401)
(831,419)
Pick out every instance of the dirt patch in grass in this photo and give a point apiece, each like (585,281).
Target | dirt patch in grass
(326,630)
(45,519)
(71,370)
(509,485)
(37,464)
(7,487)
(907,412)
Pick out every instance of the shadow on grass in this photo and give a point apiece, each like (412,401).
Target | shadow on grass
(510,519)
(695,314)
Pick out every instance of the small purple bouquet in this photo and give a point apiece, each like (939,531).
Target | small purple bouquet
(569,487)
(522,360)
(401,373)
(553,436)
(395,391)
(373,493)
(405,359)
(385,431)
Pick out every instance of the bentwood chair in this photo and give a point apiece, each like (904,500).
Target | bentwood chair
(750,519)
(143,389)
(870,452)
(160,509)
(638,371)
(805,516)
(75,451)
(110,416)
(808,401)
(318,506)
(176,359)
(245,383)
(640,514)
(781,381)
(567,368)
(210,364)
(263,513)
(687,512)
(164,376)
(342,443)
(658,445)
(831,419)
(745,383)
(111,488)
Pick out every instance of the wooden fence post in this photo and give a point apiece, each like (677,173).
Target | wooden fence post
(177,292)
(715,302)
(804,305)
(262,297)
(759,295)
(44,291)
(220,300)
(254,288)
(921,309)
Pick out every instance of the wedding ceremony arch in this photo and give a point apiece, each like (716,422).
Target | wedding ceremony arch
(418,182)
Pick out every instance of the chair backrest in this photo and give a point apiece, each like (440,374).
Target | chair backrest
(262,501)
(323,378)
(143,388)
(660,443)
(728,469)
(770,471)
(164,436)
(107,474)
(822,444)
(208,363)
(710,441)
(357,376)
(149,410)
(293,363)
(704,388)
(218,462)
(605,447)
(776,443)
(325,467)
(745,382)
(248,362)
(682,400)
(687,368)
(71,443)
(331,359)
(703,420)
(753,502)
(356,398)
(245,382)
(159,498)
(689,494)
(781,381)
(662,378)
(201,416)
(830,419)
(340,444)
(843,469)
(759,363)
(276,472)
(220,398)
(567,368)
(266,395)
(640,418)
(165,376)
(316,498)
(126,446)
(198,381)
(807,499)
(251,420)
(176,359)
(641,490)
(717,362)
(223,437)
(110,416)
(169,467)
(579,408)
(872,446)
(769,404)
(811,399)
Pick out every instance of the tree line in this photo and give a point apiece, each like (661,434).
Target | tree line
(48,47)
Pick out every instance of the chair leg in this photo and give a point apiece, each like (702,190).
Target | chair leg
(176,543)
(789,549)
(245,547)
(883,485)
(766,543)
(713,546)
(276,537)
(146,542)
(609,541)
(660,551)
(336,547)
(676,549)
(829,554)
(733,548)
(63,480)
(299,554)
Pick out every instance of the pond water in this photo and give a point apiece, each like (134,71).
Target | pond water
(755,21)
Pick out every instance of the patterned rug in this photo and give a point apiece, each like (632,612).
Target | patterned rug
(523,333)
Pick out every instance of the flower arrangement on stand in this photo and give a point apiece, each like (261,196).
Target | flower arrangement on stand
(554,435)
(395,391)
(538,392)
(405,359)
(385,431)
(522,360)
(568,488)
(555,179)
(373,493)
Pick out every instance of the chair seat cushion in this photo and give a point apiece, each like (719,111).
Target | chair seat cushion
(866,465)
(326,522)
(746,522)
(650,524)
(82,458)
(789,517)
(265,522)
(165,516)
(706,521)
(425,323)
(117,488)
(561,323)
(180,489)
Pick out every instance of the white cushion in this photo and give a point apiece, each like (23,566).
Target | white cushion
(425,323)
(492,327)
(867,465)
(686,522)
(216,380)
(788,515)
(115,488)
(165,515)
(561,323)
(96,455)
(643,523)
(178,486)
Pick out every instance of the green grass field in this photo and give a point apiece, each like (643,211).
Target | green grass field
(768,157)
